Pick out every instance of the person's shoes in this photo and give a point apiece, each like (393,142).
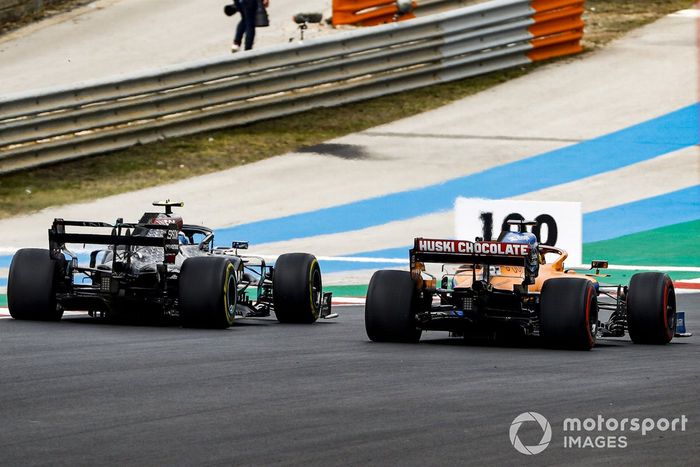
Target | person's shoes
(235,48)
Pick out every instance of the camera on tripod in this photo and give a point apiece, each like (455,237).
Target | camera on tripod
(303,19)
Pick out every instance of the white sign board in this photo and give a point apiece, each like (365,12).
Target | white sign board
(558,223)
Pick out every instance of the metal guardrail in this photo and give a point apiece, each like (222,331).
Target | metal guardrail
(430,7)
(90,118)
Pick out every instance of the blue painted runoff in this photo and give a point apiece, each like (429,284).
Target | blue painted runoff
(638,143)
(646,214)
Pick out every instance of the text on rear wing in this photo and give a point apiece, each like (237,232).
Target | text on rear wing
(464,247)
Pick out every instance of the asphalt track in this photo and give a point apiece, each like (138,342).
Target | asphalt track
(81,392)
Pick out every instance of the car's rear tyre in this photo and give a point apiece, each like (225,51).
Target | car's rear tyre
(569,313)
(390,308)
(651,308)
(297,288)
(31,286)
(207,292)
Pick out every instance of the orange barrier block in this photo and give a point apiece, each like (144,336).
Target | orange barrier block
(353,6)
(557,50)
(556,39)
(548,5)
(388,18)
(366,12)
(555,46)
(556,21)
(570,12)
(558,28)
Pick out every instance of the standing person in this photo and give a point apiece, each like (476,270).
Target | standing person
(246,26)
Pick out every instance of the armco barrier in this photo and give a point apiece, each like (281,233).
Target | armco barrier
(429,7)
(65,123)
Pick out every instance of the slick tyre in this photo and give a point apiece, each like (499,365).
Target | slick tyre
(651,308)
(31,286)
(391,307)
(568,313)
(297,289)
(207,292)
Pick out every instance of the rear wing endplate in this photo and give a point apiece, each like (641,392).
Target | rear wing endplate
(58,236)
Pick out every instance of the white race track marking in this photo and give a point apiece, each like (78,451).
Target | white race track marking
(337,301)
(345,301)
(5,313)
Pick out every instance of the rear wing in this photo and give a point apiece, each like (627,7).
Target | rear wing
(121,235)
(427,250)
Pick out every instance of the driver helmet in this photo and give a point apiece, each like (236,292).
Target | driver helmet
(182,238)
(526,238)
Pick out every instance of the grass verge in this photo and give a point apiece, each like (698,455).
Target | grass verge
(179,158)
(52,8)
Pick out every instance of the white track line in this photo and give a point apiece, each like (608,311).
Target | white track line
(618,267)
(367,259)
(5,313)
(625,267)
(337,301)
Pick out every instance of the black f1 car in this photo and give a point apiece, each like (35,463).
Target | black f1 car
(160,266)
(507,287)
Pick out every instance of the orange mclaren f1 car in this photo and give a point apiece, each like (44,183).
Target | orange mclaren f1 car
(507,286)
